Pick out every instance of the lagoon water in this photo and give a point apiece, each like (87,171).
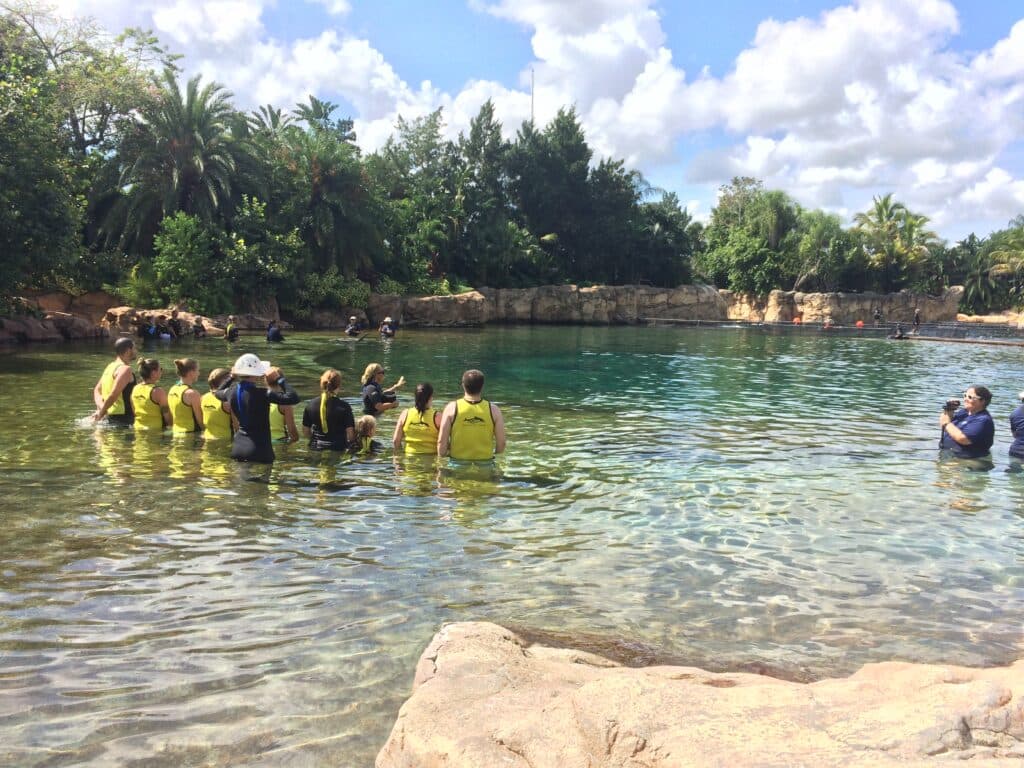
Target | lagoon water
(728,498)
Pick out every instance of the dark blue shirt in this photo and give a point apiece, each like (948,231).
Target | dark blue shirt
(978,428)
(1017,428)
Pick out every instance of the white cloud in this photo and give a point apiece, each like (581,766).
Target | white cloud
(335,7)
(865,98)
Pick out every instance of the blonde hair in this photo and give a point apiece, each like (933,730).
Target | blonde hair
(330,380)
(185,365)
(371,370)
(366,426)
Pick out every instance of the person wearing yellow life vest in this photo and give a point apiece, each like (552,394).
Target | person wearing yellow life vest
(472,429)
(113,392)
(282,417)
(149,400)
(184,401)
(217,422)
(418,427)
(366,428)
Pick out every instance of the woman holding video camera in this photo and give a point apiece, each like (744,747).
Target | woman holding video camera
(968,431)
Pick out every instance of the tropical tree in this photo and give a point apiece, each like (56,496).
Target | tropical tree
(180,156)
(40,216)
(880,226)
(331,203)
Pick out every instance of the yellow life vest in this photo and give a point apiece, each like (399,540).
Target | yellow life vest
(472,435)
(117,408)
(147,413)
(278,428)
(420,432)
(365,445)
(216,422)
(182,417)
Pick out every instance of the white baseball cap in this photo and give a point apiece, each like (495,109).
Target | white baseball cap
(250,365)
(387,319)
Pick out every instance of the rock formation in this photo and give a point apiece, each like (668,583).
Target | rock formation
(843,308)
(483,696)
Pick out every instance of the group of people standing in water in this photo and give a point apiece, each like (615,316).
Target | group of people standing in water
(253,405)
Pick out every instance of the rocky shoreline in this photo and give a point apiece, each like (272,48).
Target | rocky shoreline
(485,696)
(56,317)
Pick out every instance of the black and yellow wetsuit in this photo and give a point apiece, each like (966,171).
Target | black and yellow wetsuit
(328,419)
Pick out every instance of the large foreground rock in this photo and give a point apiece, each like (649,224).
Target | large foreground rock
(484,697)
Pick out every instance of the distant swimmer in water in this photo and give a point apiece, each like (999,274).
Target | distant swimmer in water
(250,396)
(388,329)
(149,400)
(184,401)
(418,427)
(282,417)
(366,428)
(328,420)
(274,332)
(231,331)
(377,399)
(472,429)
(112,394)
(216,414)
(353,328)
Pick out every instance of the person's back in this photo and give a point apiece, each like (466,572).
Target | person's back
(216,421)
(472,429)
(250,404)
(328,420)
(182,417)
(1017,429)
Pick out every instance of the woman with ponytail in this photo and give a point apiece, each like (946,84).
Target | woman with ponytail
(417,427)
(184,401)
(328,421)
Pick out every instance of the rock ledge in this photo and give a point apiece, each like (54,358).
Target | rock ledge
(483,696)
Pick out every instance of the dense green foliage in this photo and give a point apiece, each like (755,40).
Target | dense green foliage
(113,172)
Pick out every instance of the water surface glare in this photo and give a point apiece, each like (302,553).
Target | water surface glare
(728,498)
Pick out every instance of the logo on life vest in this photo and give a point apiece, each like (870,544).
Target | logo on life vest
(473,420)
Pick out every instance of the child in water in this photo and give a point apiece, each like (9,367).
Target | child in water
(366,428)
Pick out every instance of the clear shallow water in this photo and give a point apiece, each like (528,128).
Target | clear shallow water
(726,497)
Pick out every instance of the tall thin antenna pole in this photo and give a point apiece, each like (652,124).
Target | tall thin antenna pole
(531,95)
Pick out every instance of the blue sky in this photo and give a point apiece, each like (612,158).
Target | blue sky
(834,102)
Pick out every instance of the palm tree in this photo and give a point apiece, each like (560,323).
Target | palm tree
(979,284)
(181,156)
(337,212)
(881,228)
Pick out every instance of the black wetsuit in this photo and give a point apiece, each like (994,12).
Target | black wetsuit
(374,394)
(274,333)
(339,420)
(251,406)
